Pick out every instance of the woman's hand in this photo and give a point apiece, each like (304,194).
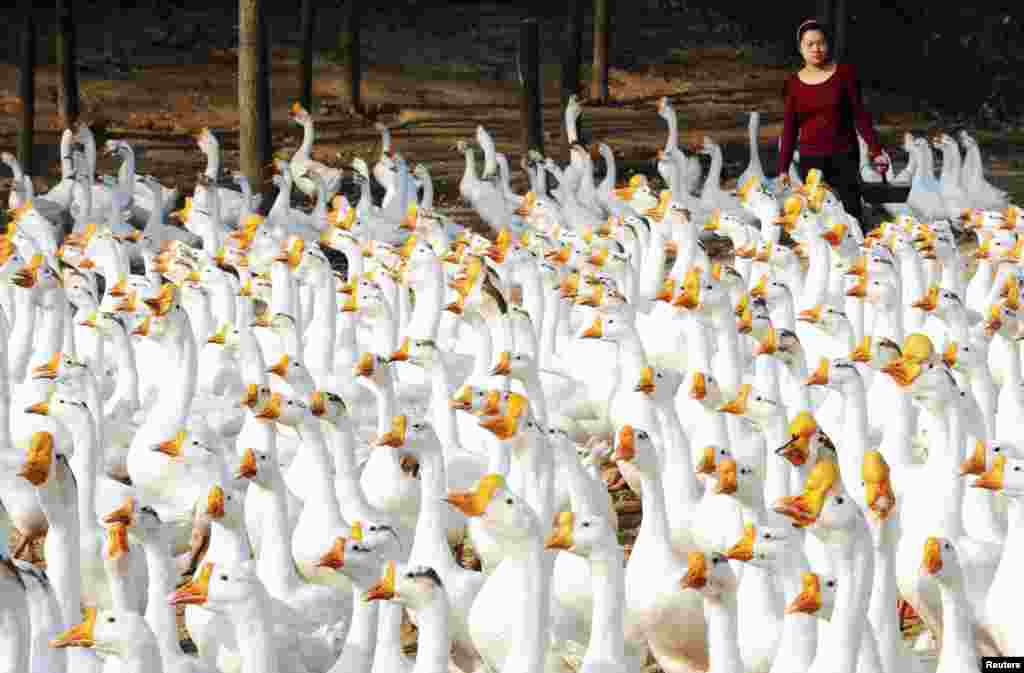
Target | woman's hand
(881,163)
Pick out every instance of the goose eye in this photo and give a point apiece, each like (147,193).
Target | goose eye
(767,536)
(948,546)
(586,524)
(110,620)
(840,500)
(509,501)
(224,578)
(830,584)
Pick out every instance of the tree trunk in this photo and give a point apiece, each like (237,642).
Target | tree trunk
(529,62)
(351,53)
(825,13)
(306,97)
(27,87)
(263,89)
(599,78)
(248,111)
(573,49)
(66,54)
(841,20)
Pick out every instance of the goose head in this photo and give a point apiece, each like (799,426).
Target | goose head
(299,115)
(877,290)
(703,388)
(838,374)
(414,586)
(1004,474)
(968,357)
(765,547)
(1001,318)
(293,371)
(710,574)
(114,633)
(788,349)
(739,481)
(805,437)
(773,291)
(419,352)
(878,493)
(146,522)
(329,407)
(223,506)
(875,352)
(186,447)
(357,555)
(822,483)
(587,535)
(707,464)
(221,588)
(259,466)
(61,406)
(255,397)
(940,560)
(497,507)
(828,319)
(116,551)
(636,447)
(37,274)
(607,327)
(660,383)
(289,411)
(42,459)
(817,596)
(516,420)
(226,336)
(372,367)
(474,399)
(754,405)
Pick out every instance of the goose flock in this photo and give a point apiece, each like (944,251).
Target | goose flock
(201,414)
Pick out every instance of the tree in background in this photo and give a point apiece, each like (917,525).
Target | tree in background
(599,77)
(27,85)
(66,51)
(308,13)
(572,54)
(251,136)
(351,55)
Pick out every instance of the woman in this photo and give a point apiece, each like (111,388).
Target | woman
(825,110)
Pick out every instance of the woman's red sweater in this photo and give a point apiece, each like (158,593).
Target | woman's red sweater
(826,117)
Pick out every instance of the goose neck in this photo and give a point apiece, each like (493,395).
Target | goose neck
(426,315)
(723,633)
(434,637)
(276,567)
(255,636)
(430,543)
(958,636)
(361,640)
(608,583)
(484,345)
(162,578)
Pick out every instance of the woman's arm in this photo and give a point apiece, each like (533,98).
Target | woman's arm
(789,130)
(861,118)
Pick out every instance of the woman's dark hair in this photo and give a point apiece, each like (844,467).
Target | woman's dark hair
(813,24)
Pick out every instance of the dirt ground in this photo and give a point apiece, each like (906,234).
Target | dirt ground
(158,107)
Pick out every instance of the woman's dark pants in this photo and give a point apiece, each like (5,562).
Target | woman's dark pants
(841,173)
